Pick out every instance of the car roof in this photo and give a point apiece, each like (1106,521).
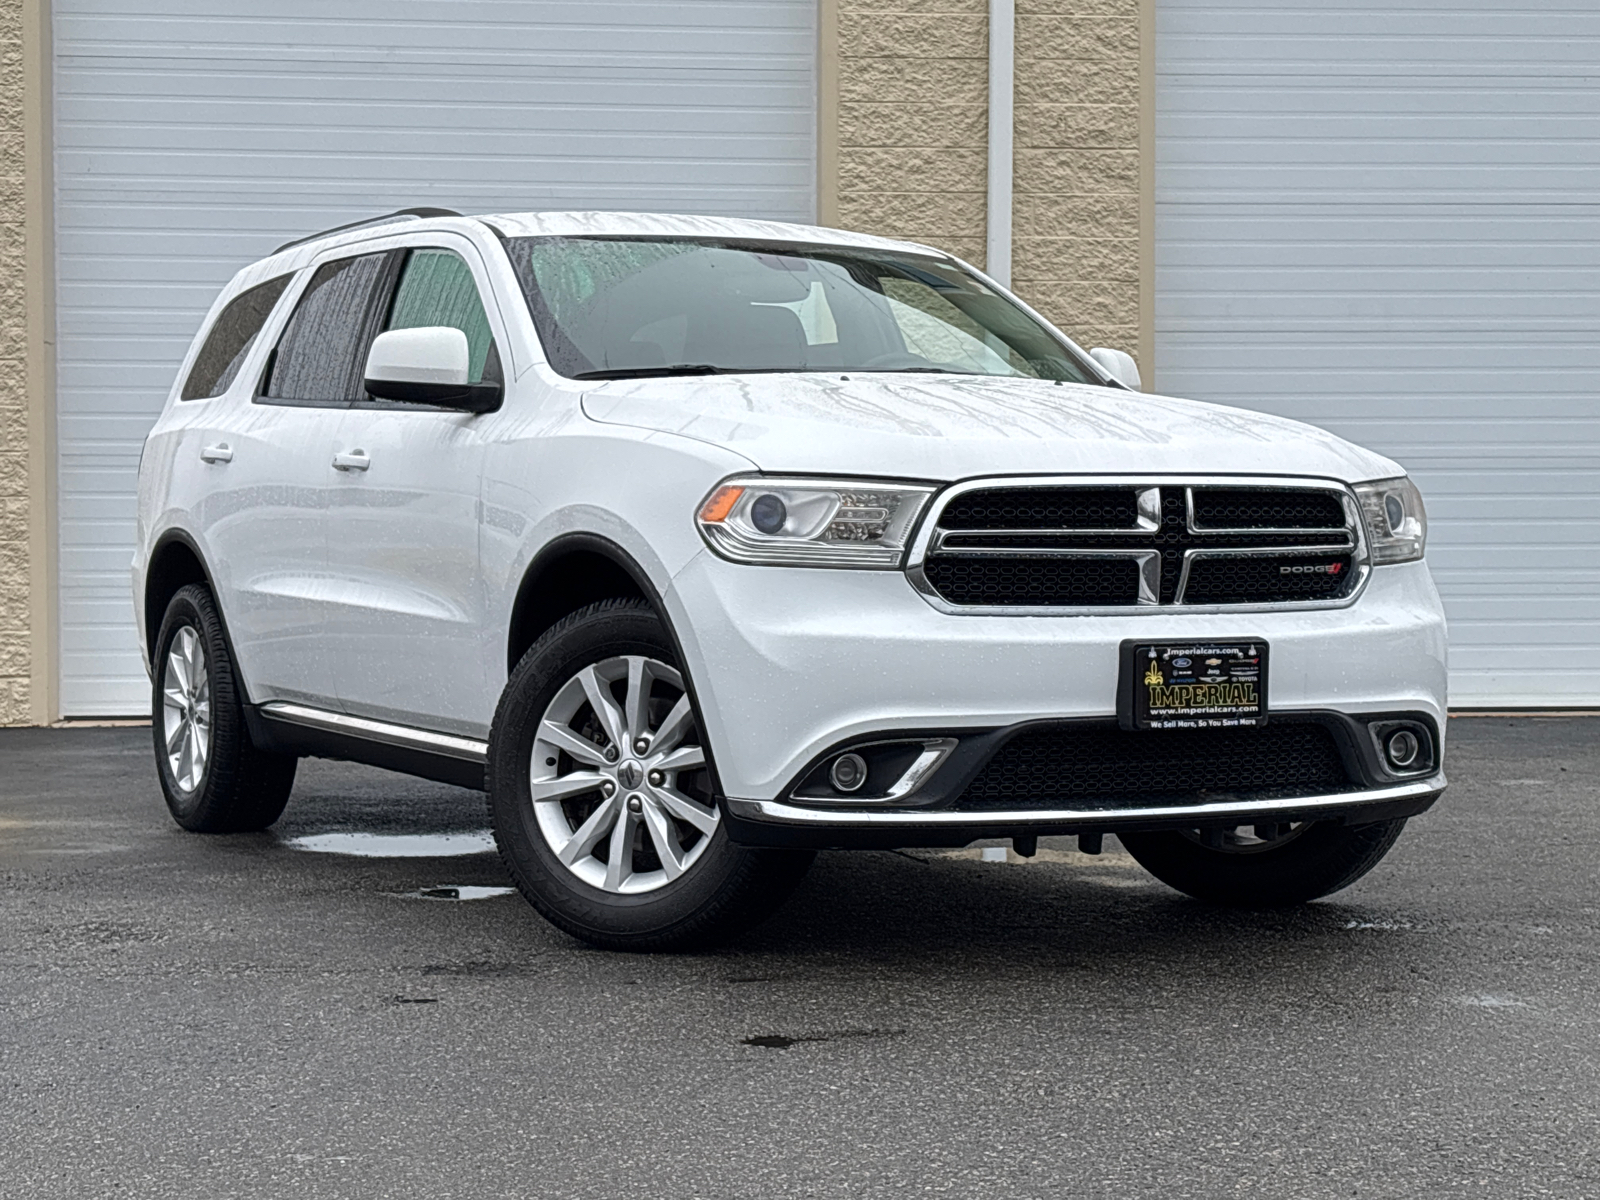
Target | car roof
(591,224)
(635,224)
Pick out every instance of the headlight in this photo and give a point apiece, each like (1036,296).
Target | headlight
(1397,524)
(812,522)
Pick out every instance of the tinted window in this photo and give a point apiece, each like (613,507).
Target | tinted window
(230,339)
(609,306)
(324,346)
(437,288)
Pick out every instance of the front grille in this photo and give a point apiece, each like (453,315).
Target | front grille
(999,547)
(1106,768)
(1026,582)
(1266,508)
(1043,508)
(1270,580)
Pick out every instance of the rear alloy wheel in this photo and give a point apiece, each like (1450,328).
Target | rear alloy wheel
(602,795)
(1271,865)
(213,776)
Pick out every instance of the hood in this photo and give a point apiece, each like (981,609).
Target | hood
(957,427)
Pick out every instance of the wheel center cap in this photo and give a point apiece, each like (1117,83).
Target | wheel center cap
(630,774)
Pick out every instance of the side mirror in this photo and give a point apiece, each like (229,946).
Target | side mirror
(429,365)
(1118,364)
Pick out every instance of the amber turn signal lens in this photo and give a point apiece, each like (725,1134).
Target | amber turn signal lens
(721,503)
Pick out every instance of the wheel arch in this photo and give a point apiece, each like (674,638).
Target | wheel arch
(578,569)
(574,570)
(176,561)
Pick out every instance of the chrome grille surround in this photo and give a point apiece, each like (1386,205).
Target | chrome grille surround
(1154,493)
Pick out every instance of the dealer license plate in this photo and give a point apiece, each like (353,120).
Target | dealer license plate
(1193,685)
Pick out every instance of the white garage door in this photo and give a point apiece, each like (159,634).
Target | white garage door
(193,136)
(1386,220)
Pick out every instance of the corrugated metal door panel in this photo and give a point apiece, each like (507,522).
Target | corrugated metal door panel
(193,136)
(1386,221)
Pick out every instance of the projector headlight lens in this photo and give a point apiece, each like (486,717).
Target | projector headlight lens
(1397,523)
(812,522)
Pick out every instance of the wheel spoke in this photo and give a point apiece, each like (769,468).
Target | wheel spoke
(193,660)
(619,854)
(684,758)
(574,784)
(637,713)
(172,697)
(178,665)
(583,838)
(605,708)
(686,810)
(667,849)
(185,771)
(676,727)
(581,748)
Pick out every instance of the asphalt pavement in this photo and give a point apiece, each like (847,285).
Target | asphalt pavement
(214,1017)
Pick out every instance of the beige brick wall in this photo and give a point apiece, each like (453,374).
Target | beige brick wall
(912,133)
(912,145)
(16,658)
(1076,223)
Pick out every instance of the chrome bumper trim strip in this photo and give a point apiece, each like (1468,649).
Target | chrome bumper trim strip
(789,814)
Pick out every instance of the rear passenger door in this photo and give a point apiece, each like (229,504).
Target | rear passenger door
(264,519)
(406,604)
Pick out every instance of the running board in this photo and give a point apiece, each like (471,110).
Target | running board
(303,731)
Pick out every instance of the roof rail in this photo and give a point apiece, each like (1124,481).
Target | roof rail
(399,213)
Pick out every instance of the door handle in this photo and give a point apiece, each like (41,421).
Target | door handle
(220,453)
(355,460)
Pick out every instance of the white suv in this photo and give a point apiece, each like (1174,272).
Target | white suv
(700,544)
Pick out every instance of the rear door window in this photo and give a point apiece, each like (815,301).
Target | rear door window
(437,288)
(230,339)
(323,350)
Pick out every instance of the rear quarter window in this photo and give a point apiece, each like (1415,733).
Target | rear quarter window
(230,339)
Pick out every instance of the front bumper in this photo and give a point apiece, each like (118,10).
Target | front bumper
(775,823)
(789,662)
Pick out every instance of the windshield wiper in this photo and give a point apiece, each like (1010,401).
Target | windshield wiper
(646,372)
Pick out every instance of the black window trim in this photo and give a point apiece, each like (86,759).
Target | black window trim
(297,289)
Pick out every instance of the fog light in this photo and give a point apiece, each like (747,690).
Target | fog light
(1403,748)
(848,773)
(768,514)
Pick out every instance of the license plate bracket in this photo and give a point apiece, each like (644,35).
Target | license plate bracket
(1196,684)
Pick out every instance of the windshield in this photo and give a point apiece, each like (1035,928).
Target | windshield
(621,307)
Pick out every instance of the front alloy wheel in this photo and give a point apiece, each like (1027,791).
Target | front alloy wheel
(602,793)
(617,779)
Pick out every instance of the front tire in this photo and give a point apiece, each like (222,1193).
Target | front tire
(1263,866)
(601,794)
(213,776)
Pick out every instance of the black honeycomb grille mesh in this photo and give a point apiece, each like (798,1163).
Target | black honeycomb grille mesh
(1266,508)
(1269,580)
(1105,768)
(1043,508)
(1046,582)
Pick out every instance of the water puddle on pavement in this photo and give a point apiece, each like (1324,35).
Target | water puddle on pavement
(455,891)
(396,845)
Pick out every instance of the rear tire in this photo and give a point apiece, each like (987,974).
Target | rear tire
(625,847)
(213,776)
(1239,871)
